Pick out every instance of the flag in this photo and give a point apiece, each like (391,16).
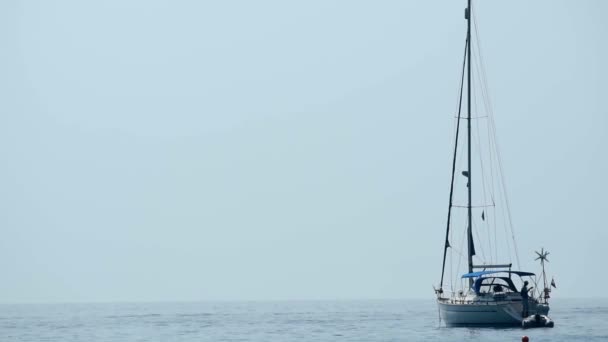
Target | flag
(553,282)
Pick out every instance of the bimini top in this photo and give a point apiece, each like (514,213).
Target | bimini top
(480,273)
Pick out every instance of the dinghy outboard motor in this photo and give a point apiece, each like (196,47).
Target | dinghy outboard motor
(537,321)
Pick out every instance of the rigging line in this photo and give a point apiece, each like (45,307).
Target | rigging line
(499,159)
(504,209)
(477,117)
(457,108)
(490,157)
(482,178)
(481,165)
(495,174)
(492,191)
(451,256)
(485,98)
(493,188)
(505,222)
(495,233)
(483,83)
(459,251)
(465,233)
(456,250)
(508,207)
(447,244)
(503,186)
(452,260)
(492,130)
(474,206)
(458,104)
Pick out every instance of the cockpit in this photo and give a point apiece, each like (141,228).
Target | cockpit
(484,285)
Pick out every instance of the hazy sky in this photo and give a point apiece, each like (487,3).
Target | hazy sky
(203,150)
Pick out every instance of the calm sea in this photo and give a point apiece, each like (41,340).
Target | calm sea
(385,320)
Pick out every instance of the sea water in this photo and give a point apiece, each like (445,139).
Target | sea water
(364,320)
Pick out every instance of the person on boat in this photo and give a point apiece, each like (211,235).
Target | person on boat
(524,298)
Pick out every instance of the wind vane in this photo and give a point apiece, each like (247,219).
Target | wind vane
(542,256)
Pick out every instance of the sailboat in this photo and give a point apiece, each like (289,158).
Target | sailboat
(488,293)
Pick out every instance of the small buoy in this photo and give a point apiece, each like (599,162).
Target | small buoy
(525,339)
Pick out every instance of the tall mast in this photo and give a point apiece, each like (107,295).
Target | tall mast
(471,248)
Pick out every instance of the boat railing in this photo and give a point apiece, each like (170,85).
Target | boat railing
(460,297)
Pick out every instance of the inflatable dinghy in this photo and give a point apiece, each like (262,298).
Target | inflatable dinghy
(537,321)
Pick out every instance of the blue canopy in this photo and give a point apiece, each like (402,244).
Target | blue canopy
(480,273)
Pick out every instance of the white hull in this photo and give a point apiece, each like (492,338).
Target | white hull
(506,313)
(487,313)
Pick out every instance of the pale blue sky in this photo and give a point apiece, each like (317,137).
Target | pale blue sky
(203,150)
